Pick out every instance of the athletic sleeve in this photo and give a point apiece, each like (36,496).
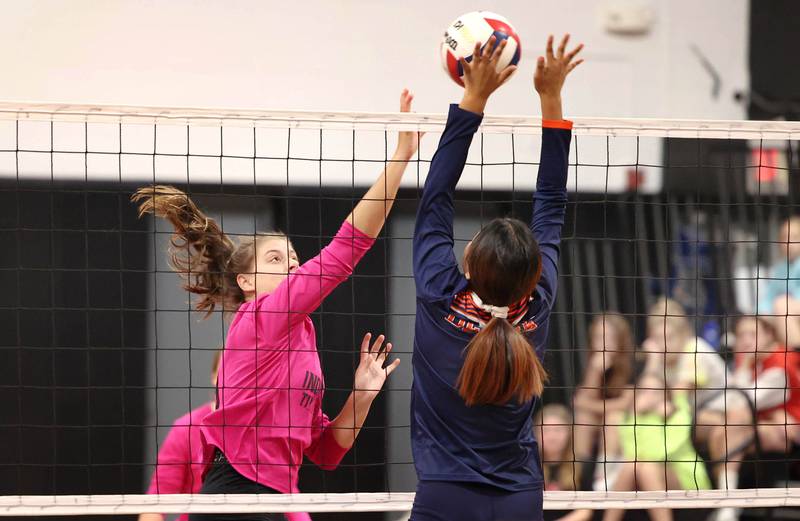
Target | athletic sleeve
(173,466)
(436,270)
(770,388)
(297,516)
(324,450)
(304,290)
(550,201)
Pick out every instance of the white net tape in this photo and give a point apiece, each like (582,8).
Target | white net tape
(677,128)
(65,142)
(376,502)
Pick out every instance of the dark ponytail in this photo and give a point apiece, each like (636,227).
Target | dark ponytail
(500,364)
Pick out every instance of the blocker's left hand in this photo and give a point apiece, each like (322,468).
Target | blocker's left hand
(372,370)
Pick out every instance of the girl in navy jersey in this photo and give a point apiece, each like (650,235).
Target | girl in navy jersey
(480,336)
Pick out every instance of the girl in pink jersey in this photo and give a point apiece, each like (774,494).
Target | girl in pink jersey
(270,385)
(180,464)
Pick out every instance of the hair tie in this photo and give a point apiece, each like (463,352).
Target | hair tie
(495,311)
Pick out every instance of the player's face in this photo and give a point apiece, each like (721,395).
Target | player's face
(275,258)
(555,436)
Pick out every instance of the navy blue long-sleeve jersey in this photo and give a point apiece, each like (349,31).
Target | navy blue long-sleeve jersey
(487,444)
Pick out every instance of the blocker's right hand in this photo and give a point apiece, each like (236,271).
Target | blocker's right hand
(481,77)
(552,68)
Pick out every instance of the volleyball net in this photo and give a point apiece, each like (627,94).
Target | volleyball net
(102,350)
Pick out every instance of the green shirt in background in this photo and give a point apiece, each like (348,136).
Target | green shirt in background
(648,437)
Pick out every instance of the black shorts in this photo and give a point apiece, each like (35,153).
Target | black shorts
(222,478)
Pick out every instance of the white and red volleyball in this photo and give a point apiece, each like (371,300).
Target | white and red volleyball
(478,26)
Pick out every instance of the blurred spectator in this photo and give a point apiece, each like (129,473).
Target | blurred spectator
(769,377)
(604,394)
(779,292)
(554,432)
(655,435)
(687,363)
(657,445)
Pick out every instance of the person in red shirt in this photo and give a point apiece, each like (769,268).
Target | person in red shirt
(769,376)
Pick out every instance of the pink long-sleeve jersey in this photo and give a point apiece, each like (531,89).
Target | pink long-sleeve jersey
(180,460)
(270,381)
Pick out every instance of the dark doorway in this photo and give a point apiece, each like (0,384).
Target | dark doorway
(73,267)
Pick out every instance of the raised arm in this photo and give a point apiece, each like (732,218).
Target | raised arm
(435,267)
(550,199)
(304,289)
(370,213)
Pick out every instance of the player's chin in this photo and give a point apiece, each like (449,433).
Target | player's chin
(270,282)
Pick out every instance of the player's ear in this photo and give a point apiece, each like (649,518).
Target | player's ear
(246,282)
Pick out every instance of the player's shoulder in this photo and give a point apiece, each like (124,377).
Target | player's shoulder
(194,417)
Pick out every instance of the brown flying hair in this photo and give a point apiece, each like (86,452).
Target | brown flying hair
(206,258)
(500,364)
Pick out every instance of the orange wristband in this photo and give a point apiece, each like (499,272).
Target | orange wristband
(564,124)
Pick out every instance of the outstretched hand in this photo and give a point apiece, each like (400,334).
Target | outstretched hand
(481,77)
(553,68)
(407,141)
(551,71)
(371,373)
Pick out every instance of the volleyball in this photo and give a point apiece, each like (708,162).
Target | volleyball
(478,26)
